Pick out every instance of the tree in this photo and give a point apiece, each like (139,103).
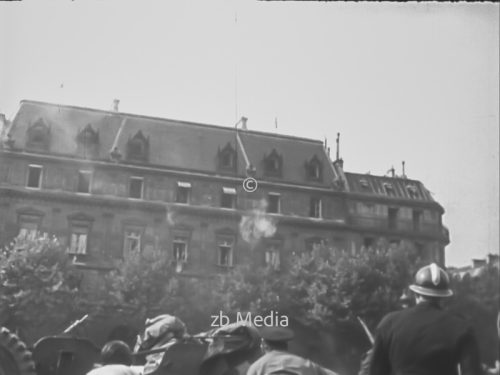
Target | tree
(477,299)
(145,283)
(39,287)
(327,287)
(322,293)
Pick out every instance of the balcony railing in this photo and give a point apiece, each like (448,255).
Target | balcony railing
(401,225)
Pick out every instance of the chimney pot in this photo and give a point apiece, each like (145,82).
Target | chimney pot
(116,103)
(493,258)
(244,123)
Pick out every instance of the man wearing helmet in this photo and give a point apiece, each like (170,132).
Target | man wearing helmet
(425,339)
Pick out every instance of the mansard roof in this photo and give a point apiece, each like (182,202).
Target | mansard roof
(172,143)
(401,188)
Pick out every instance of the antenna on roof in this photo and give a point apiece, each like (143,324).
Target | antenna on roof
(338,147)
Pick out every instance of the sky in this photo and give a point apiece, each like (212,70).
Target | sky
(417,82)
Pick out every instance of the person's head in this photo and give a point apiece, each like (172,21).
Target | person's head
(116,352)
(432,284)
(275,338)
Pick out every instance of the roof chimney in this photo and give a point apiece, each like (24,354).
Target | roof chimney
(244,123)
(493,259)
(404,173)
(116,103)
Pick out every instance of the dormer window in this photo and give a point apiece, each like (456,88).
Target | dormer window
(87,142)
(38,136)
(364,184)
(273,164)
(389,189)
(138,148)
(226,157)
(314,169)
(412,191)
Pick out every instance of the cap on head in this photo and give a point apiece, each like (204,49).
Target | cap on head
(432,281)
(276,334)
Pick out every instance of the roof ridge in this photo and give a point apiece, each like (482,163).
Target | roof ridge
(156,118)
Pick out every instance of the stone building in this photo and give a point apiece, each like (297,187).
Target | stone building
(109,183)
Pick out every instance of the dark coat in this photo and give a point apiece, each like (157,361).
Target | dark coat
(424,340)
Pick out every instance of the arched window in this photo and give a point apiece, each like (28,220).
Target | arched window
(314,169)
(226,158)
(38,136)
(138,148)
(87,142)
(273,164)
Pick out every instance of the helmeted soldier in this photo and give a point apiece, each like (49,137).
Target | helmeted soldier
(425,339)
(278,361)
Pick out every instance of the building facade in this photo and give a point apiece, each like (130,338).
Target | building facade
(108,183)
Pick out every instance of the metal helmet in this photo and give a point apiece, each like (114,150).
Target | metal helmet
(432,281)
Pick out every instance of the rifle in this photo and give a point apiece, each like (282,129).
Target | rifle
(76,323)
(367,331)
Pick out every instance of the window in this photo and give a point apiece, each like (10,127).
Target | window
(273,164)
(228,198)
(315,208)
(29,221)
(84,178)
(272,256)
(273,203)
(412,191)
(389,189)
(34,176)
(225,252)
(136,187)
(368,242)
(79,233)
(226,161)
(38,136)
(88,142)
(28,230)
(180,248)
(314,172)
(132,241)
(183,192)
(138,148)
(227,157)
(392,218)
(314,169)
(79,240)
(417,216)
(313,244)
(365,186)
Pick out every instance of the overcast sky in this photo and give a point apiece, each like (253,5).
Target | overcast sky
(416,82)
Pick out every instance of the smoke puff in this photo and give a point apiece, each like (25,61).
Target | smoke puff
(257,224)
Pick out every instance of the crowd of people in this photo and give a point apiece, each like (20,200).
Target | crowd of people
(421,340)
